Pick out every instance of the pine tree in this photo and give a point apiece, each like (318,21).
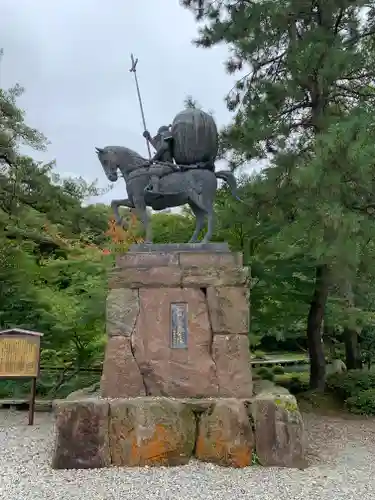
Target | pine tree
(304,100)
(13,129)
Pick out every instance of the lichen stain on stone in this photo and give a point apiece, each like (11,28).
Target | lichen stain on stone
(153,450)
(217,449)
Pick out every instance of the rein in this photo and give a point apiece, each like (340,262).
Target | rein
(147,169)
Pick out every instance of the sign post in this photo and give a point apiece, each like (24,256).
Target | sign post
(20,358)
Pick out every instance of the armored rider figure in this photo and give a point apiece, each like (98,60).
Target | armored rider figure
(162,143)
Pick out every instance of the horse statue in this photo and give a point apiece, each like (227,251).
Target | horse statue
(191,141)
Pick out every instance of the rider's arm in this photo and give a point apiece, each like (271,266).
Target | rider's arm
(147,136)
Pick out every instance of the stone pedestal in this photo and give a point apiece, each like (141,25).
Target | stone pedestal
(177,323)
(151,431)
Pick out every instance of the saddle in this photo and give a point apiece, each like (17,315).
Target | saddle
(159,200)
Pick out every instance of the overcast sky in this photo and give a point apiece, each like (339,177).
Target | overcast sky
(73,58)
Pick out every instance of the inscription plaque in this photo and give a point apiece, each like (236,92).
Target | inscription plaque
(179,326)
(20,357)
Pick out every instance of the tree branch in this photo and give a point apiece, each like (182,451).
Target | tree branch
(338,21)
(5,158)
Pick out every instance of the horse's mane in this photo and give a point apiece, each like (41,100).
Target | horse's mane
(127,157)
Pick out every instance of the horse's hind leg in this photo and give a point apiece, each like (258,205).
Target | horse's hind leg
(204,198)
(210,224)
(199,221)
(206,208)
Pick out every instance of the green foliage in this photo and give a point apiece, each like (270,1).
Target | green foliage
(50,385)
(351,383)
(278,370)
(52,266)
(254,458)
(368,346)
(296,383)
(363,403)
(294,56)
(13,129)
(76,318)
(304,101)
(169,227)
(265,373)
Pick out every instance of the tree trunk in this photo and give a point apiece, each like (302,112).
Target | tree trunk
(314,328)
(328,335)
(352,349)
(351,333)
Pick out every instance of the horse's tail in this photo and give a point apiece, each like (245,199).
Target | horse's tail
(230,179)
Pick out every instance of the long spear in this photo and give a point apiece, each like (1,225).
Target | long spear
(133,69)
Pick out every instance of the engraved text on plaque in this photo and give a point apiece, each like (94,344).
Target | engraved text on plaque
(179,326)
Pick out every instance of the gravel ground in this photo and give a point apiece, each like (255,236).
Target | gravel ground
(341,454)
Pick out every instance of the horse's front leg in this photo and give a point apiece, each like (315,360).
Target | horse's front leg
(115,204)
(142,214)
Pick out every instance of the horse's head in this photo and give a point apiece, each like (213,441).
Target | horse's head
(114,158)
(109,159)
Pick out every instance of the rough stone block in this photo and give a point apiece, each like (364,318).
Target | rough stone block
(147,431)
(229,310)
(196,291)
(199,259)
(214,276)
(147,259)
(81,440)
(121,377)
(122,311)
(90,392)
(279,432)
(180,247)
(232,359)
(189,372)
(225,436)
(139,277)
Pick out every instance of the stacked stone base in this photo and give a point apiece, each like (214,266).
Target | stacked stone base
(213,359)
(158,431)
(177,322)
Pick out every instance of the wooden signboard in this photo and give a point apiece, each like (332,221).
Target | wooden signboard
(20,358)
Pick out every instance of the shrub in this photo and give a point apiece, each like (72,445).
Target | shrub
(298,385)
(278,370)
(295,383)
(363,403)
(265,373)
(351,383)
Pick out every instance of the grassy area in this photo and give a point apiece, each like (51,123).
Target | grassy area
(286,355)
(257,354)
(320,403)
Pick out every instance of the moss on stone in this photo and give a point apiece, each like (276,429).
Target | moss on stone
(287,404)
